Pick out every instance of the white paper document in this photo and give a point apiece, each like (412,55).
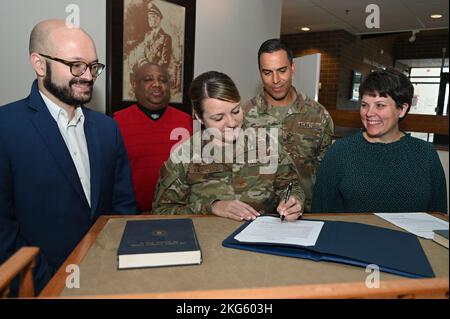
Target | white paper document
(268,229)
(419,224)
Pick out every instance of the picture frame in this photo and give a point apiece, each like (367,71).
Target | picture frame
(131,41)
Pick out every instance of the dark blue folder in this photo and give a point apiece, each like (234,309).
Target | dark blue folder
(356,244)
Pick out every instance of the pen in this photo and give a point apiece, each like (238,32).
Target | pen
(286,198)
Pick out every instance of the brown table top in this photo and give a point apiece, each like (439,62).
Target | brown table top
(231,273)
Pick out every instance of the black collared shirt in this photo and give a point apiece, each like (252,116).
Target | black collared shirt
(153,115)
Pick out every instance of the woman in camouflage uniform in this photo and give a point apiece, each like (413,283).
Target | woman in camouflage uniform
(226,183)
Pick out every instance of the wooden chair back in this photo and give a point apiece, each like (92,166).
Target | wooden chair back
(22,262)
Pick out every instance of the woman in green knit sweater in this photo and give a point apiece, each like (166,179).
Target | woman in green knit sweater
(381,169)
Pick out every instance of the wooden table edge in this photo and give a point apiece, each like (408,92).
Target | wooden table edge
(399,289)
(342,290)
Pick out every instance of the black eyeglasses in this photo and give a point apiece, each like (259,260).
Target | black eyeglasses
(77,68)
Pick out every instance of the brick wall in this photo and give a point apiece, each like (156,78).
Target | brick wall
(362,56)
(343,52)
(326,43)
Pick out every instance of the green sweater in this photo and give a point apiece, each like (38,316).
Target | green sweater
(358,176)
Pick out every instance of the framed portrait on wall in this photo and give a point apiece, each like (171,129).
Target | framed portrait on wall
(149,31)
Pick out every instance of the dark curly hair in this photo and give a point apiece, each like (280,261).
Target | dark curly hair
(389,82)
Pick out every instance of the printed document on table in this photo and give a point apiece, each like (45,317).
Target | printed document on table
(419,224)
(268,229)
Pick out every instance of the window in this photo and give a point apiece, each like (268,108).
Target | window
(427,82)
(426,90)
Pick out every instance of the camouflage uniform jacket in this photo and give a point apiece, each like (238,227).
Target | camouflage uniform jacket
(191,188)
(306,133)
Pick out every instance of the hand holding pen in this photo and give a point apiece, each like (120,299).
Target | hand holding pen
(290,207)
(286,198)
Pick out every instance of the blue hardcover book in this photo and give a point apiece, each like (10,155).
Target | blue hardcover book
(356,244)
(155,243)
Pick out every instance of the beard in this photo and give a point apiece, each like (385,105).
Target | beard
(65,93)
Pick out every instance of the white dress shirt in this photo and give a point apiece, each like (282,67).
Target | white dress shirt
(73,135)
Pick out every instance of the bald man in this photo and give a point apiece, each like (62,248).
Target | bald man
(146,128)
(61,164)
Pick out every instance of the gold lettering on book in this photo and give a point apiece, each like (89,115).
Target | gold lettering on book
(159,243)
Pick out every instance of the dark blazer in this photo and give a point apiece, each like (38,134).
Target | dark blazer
(42,202)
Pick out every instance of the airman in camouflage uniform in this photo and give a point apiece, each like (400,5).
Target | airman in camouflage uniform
(306,126)
(191,188)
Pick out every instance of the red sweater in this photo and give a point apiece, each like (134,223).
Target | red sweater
(148,146)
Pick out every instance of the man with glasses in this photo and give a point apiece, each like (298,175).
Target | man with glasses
(61,164)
